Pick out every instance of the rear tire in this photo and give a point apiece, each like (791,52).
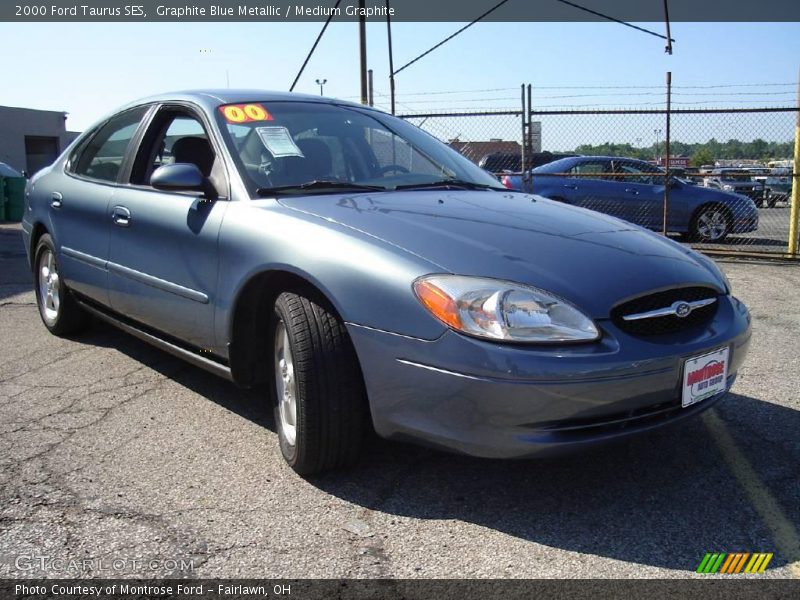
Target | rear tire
(59,310)
(318,393)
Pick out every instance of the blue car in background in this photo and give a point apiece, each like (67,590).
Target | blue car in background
(633,190)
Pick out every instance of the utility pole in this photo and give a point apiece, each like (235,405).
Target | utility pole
(370,95)
(362,39)
(656,132)
(391,55)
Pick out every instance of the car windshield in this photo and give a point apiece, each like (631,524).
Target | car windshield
(316,148)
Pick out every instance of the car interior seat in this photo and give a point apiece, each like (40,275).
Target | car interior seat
(194,150)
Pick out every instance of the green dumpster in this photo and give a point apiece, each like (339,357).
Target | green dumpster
(15,198)
(2,198)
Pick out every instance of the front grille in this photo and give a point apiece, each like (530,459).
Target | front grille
(666,324)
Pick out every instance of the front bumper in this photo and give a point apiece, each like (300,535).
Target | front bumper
(504,401)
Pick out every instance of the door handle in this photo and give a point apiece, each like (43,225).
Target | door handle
(570,186)
(56,201)
(121,216)
(630,191)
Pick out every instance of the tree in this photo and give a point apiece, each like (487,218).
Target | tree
(702,157)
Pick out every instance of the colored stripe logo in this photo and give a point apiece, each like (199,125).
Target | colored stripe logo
(734,563)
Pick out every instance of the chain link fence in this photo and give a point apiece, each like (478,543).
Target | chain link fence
(720,179)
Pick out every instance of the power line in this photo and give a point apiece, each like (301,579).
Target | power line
(610,18)
(597,87)
(314,47)
(447,39)
(661,87)
(701,94)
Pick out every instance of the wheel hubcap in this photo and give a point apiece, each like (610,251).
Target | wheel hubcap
(49,295)
(285,384)
(712,225)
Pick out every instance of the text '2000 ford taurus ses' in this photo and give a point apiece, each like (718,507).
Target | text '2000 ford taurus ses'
(370,276)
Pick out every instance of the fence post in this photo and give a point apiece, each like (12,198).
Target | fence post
(795,200)
(529,138)
(666,151)
(523,154)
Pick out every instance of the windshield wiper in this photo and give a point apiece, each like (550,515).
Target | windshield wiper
(320,185)
(449,183)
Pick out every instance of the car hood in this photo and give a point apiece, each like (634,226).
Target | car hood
(591,259)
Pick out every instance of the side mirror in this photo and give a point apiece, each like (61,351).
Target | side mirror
(182,177)
(674,182)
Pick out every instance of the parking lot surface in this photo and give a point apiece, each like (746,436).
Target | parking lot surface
(122,457)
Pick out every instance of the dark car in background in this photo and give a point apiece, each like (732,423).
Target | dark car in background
(736,181)
(510,162)
(633,190)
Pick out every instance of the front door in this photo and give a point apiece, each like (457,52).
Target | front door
(163,261)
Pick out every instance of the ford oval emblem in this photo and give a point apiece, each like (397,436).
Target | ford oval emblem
(682,309)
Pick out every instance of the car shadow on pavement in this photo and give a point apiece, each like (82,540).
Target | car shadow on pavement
(663,499)
(250,404)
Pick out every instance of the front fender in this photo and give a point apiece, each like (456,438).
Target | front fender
(367,280)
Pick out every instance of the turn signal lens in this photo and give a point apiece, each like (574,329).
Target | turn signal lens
(503,310)
(439,303)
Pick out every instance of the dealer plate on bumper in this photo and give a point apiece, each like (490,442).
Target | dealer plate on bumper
(704,376)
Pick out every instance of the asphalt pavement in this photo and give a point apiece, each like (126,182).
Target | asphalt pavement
(118,459)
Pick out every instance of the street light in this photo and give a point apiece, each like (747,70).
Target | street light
(320,83)
(657,132)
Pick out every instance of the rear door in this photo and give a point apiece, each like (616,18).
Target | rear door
(79,202)
(163,262)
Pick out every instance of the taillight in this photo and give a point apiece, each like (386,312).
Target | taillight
(506,182)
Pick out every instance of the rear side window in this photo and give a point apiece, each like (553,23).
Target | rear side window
(101,157)
(591,170)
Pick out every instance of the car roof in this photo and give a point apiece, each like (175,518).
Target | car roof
(562,163)
(210,99)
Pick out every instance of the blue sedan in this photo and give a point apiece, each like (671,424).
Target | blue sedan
(365,276)
(633,190)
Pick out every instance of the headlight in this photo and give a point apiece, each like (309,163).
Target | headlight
(727,188)
(502,310)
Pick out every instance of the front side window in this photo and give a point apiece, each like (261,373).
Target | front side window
(639,173)
(101,157)
(281,146)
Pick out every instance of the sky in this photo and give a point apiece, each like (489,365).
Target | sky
(88,69)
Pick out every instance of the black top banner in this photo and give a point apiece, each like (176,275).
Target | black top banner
(397,10)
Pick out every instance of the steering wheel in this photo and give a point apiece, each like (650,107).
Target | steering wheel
(398,168)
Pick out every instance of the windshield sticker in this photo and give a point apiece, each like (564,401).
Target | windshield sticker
(245,113)
(278,141)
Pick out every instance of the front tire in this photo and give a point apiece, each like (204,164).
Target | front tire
(58,309)
(319,398)
(711,224)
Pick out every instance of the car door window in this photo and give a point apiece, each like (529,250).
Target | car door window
(635,173)
(177,136)
(102,155)
(590,170)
